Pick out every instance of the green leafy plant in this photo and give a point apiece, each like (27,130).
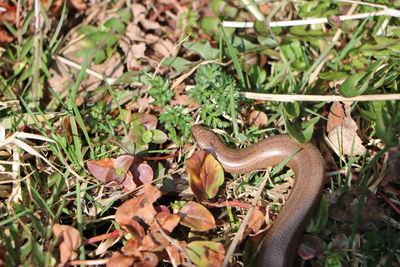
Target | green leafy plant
(175,118)
(216,92)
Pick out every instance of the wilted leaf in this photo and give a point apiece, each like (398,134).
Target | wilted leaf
(342,130)
(205,175)
(196,217)
(70,241)
(206,253)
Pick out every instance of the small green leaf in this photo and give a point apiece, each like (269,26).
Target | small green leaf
(147,137)
(333,75)
(303,136)
(178,63)
(205,50)
(115,24)
(159,137)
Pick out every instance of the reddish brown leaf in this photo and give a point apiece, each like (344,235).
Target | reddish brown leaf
(140,208)
(5,37)
(196,217)
(129,183)
(109,169)
(103,170)
(120,260)
(154,241)
(7,15)
(151,192)
(70,241)
(134,228)
(142,173)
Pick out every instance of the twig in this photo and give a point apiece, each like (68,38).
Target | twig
(318,98)
(36,58)
(76,66)
(245,222)
(253,9)
(89,262)
(288,23)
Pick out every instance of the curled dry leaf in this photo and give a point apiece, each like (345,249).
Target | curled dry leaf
(205,175)
(206,253)
(70,241)
(342,130)
(139,208)
(196,217)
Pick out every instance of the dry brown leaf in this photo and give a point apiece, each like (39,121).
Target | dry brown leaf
(134,33)
(342,130)
(163,47)
(61,79)
(256,221)
(139,12)
(258,118)
(111,68)
(70,241)
(150,25)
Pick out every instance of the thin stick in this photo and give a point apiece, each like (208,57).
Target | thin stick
(74,65)
(245,222)
(319,98)
(289,23)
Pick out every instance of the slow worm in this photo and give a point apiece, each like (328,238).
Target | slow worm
(281,241)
